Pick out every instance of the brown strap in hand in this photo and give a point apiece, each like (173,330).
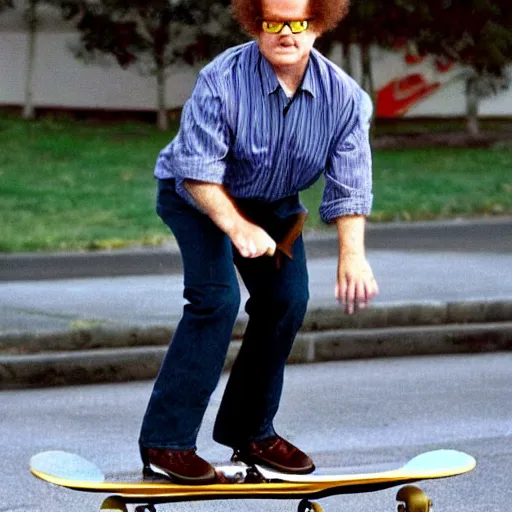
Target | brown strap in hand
(284,246)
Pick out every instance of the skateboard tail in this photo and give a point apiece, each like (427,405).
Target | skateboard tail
(442,463)
(77,485)
(429,465)
(66,466)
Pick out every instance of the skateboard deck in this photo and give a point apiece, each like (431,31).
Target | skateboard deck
(74,472)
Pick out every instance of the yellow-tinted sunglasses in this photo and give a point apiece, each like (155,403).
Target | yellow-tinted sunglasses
(275,27)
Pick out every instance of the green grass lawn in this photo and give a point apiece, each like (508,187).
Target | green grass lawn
(74,185)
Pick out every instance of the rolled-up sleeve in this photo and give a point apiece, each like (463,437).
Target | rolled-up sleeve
(348,173)
(199,150)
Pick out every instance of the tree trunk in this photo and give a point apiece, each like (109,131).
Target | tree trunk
(348,61)
(163,119)
(472,124)
(28,106)
(367,82)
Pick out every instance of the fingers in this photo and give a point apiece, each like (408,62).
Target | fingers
(255,244)
(355,294)
(247,248)
(352,296)
(271,250)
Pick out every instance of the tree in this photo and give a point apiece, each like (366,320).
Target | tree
(357,29)
(369,23)
(6,4)
(156,34)
(32,23)
(476,34)
(67,7)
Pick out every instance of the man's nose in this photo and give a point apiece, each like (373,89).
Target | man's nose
(286,30)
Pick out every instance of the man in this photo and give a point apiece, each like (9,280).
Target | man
(265,120)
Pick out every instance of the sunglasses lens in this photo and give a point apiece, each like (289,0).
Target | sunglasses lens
(298,26)
(272,27)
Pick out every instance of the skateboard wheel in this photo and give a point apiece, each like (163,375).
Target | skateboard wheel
(114,504)
(413,500)
(145,508)
(309,506)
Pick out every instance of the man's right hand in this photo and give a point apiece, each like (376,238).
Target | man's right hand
(251,241)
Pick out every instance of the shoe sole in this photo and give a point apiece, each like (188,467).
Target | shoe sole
(254,459)
(180,479)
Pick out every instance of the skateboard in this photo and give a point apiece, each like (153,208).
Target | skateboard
(247,482)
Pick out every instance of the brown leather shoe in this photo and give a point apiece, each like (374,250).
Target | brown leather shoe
(183,466)
(276,453)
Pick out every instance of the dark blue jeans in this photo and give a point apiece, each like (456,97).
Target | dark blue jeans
(193,364)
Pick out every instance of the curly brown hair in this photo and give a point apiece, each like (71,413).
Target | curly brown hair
(326,14)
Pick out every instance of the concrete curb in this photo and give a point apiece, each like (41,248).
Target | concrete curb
(317,319)
(130,364)
(120,355)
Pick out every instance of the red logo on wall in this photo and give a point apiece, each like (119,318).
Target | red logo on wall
(399,95)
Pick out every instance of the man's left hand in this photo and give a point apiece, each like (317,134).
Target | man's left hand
(355,285)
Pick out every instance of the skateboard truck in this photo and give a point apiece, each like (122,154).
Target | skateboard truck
(252,475)
(116,504)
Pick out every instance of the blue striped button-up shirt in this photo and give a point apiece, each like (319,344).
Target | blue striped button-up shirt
(240,129)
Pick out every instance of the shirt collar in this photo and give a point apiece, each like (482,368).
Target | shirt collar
(270,83)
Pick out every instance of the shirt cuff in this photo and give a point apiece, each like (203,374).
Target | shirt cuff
(331,210)
(193,168)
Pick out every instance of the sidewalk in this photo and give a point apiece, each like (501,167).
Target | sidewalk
(434,299)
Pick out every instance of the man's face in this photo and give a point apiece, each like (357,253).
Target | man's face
(285,49)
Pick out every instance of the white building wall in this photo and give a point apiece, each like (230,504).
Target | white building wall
(62,81)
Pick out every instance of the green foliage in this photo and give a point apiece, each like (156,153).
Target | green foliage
(160,32)
(82,186)
(434,183)
(91,187)
(476,33)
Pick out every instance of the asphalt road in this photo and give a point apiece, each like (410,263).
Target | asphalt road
(475,235)
(369,412)
(404,278)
